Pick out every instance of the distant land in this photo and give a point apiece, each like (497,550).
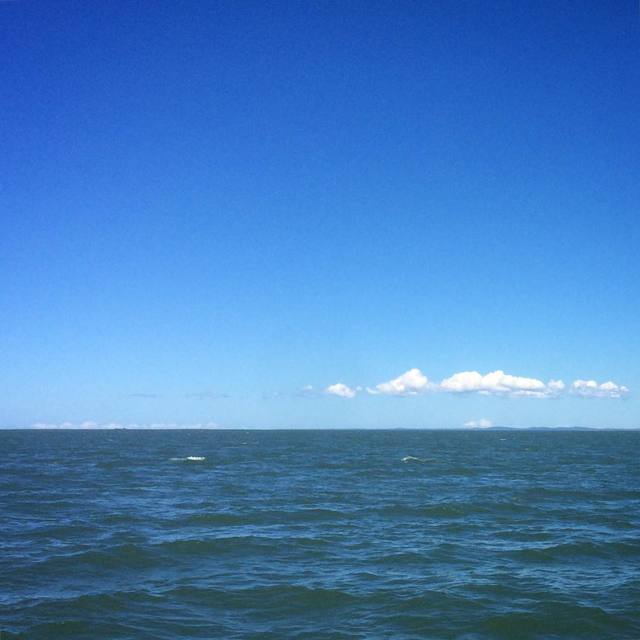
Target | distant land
(576,428)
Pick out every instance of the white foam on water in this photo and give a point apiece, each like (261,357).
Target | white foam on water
(412,459)
(189,459)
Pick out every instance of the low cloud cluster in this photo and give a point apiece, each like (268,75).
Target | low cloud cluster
(482,423)
(495,383)
(89,424)
(591,389)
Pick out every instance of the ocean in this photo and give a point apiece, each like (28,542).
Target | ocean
(396,534)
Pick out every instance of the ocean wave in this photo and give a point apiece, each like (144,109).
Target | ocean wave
(452,510)
(266,517)
(319,535)
(289,596)
(558,620)
(585,550)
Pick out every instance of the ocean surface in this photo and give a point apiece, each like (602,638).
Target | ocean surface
(319,534)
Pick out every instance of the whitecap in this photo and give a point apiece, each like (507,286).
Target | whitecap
(412,459)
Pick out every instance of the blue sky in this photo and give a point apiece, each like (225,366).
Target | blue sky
(208,208)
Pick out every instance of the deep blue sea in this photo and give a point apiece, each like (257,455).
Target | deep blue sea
(319,534)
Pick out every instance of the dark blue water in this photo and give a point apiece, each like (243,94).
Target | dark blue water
(494,534)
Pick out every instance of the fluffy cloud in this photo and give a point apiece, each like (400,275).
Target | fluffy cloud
(481,423)
(591,389)
(414,382)
(494,383)
(408,384)
(341,390)
(500,383)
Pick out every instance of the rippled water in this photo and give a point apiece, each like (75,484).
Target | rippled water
(347,534)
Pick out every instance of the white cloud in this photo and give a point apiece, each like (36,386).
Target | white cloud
(409,383)
(481,423)
(414,382)
(118,425)
(87,424)
(495,383)
(556,385)
(591,389)
(341,390)
(500,383)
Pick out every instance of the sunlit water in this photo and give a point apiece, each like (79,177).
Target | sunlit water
(346,534)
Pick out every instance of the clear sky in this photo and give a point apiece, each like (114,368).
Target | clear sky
(257,214)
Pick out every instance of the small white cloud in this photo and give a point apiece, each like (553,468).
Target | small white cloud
(556,385)
(409,383)
(482,423)
(591,389)
(341,390)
